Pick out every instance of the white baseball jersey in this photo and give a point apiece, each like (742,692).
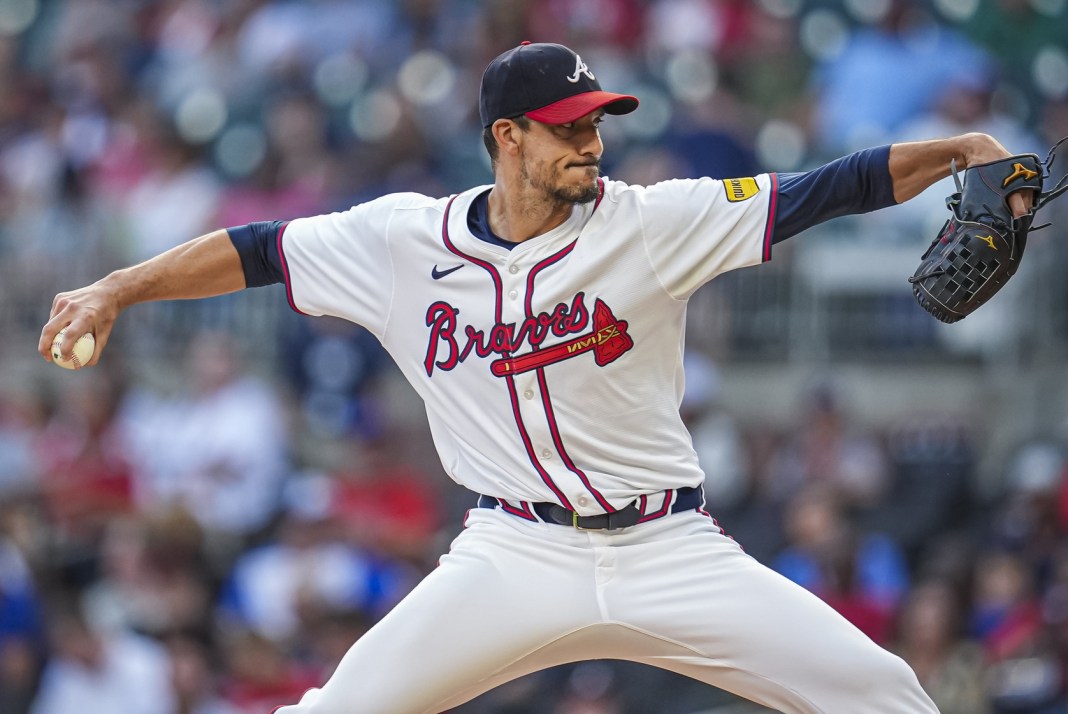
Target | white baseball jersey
(551,371)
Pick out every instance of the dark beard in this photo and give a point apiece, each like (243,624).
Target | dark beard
(564,194)
(577,194)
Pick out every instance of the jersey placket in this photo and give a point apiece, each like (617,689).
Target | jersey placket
(535,398)
(531,409)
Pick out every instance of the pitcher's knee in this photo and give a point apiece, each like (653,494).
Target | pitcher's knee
(888,685)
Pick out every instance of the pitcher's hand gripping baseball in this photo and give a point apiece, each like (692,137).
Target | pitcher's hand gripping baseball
(980,247)
(91,310)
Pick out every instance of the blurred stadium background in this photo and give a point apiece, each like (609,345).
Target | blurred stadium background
(203,523)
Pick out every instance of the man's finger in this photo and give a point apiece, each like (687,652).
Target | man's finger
(1020,202)
(49,332)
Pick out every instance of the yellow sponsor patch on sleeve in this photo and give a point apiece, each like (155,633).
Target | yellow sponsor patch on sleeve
(740,189)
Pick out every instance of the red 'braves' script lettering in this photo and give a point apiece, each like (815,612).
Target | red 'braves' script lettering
(449,345)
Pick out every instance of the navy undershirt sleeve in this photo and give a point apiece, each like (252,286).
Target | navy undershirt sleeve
(257,244)
(857,183)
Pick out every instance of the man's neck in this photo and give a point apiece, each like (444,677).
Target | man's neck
(517,215)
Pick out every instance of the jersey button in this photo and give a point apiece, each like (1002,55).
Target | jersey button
(513,269)
(546,454)
(512,293)
(529,394)
(582,501)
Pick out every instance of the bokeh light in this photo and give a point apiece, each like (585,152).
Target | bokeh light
(241,149)
(375,115)
(17,15)
(824,34)
(201,115)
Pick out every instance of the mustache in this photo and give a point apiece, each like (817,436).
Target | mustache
(596,163)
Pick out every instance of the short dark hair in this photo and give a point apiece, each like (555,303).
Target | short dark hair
(490,142)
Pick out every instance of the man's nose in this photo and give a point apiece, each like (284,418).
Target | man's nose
(592,144)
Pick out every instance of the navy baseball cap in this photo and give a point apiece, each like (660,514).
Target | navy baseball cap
(548,82)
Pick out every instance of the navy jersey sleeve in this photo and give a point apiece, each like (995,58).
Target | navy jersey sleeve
(857,183)
(257,244)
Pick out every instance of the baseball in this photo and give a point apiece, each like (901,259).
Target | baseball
(83,351)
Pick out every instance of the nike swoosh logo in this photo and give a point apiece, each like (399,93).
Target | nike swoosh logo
(439,274)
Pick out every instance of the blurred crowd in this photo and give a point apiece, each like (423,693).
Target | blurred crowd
(210,536)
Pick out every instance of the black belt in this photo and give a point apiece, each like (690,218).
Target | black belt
(686,499)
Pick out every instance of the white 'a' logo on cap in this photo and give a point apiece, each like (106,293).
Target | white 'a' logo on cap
(580,68)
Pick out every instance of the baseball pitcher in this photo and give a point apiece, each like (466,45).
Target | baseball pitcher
(541,320)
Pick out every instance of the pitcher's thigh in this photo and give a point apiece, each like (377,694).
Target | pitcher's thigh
(747,629)
(490,603)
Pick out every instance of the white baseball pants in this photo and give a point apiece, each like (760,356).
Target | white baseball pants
(513,597)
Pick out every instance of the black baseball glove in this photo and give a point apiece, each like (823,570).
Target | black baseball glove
(979,248)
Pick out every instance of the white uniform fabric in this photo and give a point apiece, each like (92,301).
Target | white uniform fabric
(591,429)
(553,372)
(512,597)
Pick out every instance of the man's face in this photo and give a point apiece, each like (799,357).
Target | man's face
(563,161)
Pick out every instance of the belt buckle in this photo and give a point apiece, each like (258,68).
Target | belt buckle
(575,523)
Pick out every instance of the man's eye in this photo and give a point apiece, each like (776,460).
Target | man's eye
(569,125)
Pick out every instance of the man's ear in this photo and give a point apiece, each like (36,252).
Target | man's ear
(509,136)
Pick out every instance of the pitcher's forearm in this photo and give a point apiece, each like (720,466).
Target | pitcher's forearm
(203,267)
(915,165)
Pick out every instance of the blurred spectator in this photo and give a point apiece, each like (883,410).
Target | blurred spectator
(887,74)
(1055,615)
(174,201)
(828,448)
(1026,674)
(863,576)
(195,678)
(932,488)
(93,672)
(709,139)
(386,500)
(716,438)
(710,26)
(309,571)
(1027,519)
(85,479)
(591,689)
(22,416)
(603,24)
(327,636)
(1005,614)
(768,69)
(930,638)
(331,365)
(259,677)
(153,578)
(219,451)
(1015,31)
(21,636)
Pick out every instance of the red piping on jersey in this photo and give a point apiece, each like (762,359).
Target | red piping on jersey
(550,416)
(497,316)
(669,496)
(522,513)
(770,225)
(285,269)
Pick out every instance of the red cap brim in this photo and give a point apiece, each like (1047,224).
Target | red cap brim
(579,105)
